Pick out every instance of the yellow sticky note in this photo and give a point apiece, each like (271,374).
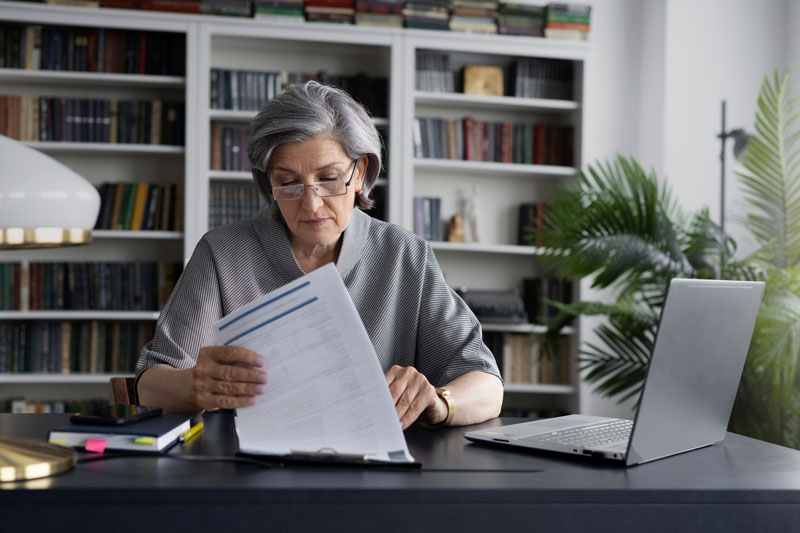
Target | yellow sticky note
(144,440)
(61,442)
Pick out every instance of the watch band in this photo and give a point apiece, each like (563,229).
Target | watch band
(451,409)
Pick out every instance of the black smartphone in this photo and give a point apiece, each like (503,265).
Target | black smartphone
(114,415)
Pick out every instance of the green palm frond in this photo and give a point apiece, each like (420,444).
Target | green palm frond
(618,365)
(616,223)
(776,342)
(770,176)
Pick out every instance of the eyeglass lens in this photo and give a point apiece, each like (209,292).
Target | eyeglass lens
(334,187)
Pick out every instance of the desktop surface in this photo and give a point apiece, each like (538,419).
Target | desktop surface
(740,484)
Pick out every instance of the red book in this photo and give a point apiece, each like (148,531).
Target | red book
(177,6)
(142,53)
(329,3)
(540,209)
(507,134)
(484,144)
(469,150)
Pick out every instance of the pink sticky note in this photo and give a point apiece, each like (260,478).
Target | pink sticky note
(96,445)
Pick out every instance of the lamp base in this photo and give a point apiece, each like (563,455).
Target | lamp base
(31,459)
(27,238)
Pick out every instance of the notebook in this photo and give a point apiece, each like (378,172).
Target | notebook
(151,435)
(695,366)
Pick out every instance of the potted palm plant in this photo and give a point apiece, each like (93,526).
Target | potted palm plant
(622,227)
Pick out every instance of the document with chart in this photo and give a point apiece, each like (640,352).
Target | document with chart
(326,395)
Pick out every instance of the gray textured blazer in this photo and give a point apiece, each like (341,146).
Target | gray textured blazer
(410,313)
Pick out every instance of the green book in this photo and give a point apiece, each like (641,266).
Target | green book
(128,200)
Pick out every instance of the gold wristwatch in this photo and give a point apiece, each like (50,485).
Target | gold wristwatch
(444,394)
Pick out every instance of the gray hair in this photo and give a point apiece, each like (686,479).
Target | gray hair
(310,110)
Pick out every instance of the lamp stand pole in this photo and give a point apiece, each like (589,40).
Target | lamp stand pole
(723,136)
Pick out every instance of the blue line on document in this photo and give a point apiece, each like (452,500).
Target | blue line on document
(273,319)
(256,308)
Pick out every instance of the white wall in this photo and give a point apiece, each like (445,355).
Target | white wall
(716,49)
(659,71)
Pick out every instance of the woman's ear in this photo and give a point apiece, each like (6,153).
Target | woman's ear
(361,171)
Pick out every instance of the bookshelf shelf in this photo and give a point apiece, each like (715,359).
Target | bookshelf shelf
(235,115)
(231,115)
(522,328)
(230,175)
(52,379)
(93,79)
(539,388)
(128,234)
(79,315)
(485,167)
(509,249)
(493,103)
(155,149)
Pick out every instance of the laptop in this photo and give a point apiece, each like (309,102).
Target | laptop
(695,366)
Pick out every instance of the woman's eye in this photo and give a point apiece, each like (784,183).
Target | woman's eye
(286,183)
(329,178)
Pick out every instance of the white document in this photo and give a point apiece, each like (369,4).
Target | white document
(325,390)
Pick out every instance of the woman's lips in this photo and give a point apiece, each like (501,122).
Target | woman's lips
(316,222)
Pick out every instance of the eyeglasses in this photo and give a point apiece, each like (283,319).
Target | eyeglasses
(330,187)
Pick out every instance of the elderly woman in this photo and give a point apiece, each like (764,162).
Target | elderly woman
(315,156)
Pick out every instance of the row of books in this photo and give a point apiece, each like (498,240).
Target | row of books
(433,72)
(476,16)
(233,8)
(521,19)
(128,286)
(568,21)
(229,147)
(427,218)
(538,293)
(243,89)
(250,90)
(521,359)
(22,405)
(69,48)
(68,347)
(140,206)
(41,118)
(543,78)
(504,142)
(529,77)
(232,202)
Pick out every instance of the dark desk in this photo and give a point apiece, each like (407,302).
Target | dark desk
(740,485)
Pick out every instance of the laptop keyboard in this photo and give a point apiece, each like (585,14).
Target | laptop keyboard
(588,436)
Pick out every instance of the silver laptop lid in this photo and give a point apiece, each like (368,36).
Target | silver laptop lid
(694,371)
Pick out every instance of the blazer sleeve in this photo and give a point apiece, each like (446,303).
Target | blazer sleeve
(449,337)
(184,325)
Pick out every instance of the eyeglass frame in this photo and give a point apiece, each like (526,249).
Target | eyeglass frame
(314,184)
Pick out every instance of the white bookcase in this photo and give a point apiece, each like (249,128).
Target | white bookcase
(496,262)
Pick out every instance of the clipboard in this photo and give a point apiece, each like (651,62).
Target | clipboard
(328,457)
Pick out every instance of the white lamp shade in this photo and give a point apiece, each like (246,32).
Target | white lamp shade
(36,191)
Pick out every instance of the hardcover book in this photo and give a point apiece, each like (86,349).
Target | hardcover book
(151,435)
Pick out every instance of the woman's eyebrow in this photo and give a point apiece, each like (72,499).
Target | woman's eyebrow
(324,167)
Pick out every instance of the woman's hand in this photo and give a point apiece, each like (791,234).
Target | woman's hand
(414,397)
(226,377)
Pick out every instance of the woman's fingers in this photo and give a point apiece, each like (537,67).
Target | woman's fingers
(411,393)
(227,377)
